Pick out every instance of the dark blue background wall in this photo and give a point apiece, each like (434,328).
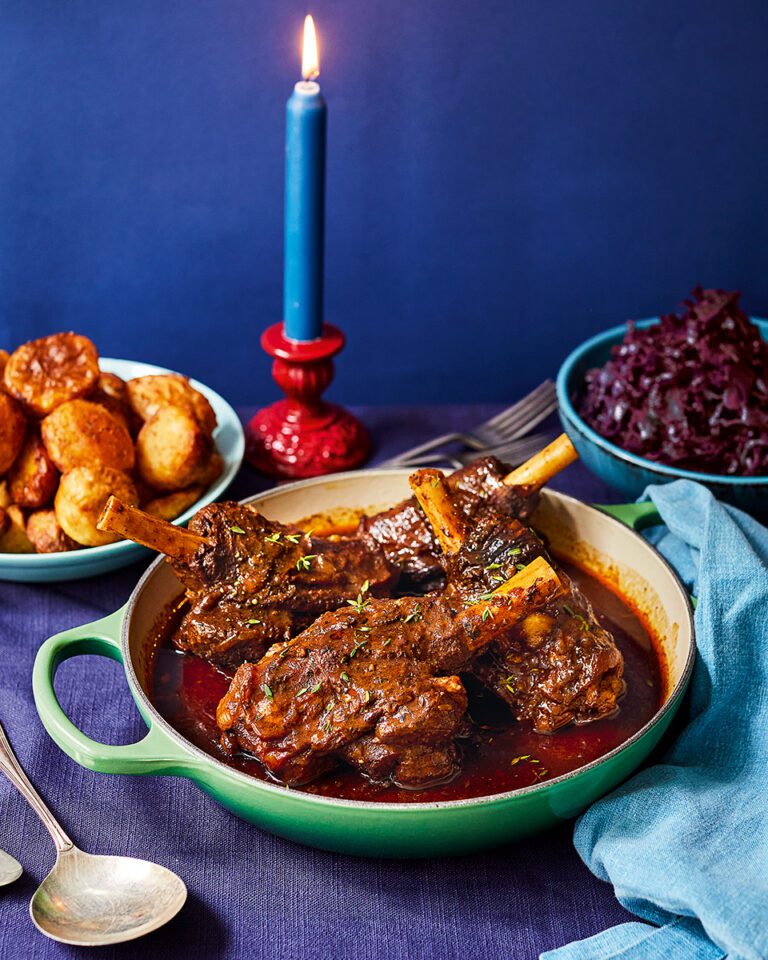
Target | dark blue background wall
(505,178)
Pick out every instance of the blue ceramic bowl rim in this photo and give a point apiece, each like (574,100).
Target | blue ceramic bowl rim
(564,389)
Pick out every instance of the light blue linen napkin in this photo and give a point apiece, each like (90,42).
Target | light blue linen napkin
(685,841)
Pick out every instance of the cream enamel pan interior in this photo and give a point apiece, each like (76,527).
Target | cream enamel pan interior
(588,536)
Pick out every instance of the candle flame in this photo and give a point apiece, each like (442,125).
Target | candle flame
(310,63)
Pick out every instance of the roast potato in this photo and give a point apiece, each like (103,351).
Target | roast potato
(5,496)
(111,393)
(147,395)
(45,533)
(33,477)
(211,470)
(172,450)
(15,539)
(81,496)
(112,386)
(172,505)
(5,520)
(13,426)
(3,360)
(82,433)
(45,373)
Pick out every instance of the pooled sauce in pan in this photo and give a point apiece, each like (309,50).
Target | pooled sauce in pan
(501,754)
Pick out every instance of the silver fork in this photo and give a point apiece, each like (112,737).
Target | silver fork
(506,426)
(513,453)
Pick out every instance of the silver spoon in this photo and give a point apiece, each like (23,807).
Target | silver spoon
(91,901)
(10,869)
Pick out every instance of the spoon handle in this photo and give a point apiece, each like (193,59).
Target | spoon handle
(12,769)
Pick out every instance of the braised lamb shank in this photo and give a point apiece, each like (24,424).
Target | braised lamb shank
(374,685)
(484,486)
(558,665)
(251,582)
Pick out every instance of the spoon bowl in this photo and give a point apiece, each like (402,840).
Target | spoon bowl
(89,900)
(10,869)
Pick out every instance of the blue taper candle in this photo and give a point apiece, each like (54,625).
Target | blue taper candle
(305,200)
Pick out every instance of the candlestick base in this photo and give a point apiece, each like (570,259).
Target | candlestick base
(303,436)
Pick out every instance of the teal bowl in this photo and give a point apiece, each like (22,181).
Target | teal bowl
(628,473)
(591,537)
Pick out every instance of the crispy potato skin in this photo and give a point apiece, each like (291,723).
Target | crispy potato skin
(5,496)
(81,433)
(45,373)
(172,450)
(45,534)
(15,539)
(5,521)
(3,361)
(13,427)
(212,469)
(112,394)
(147,395)
(112,386)
(174,504)
(81,496)
(33,478)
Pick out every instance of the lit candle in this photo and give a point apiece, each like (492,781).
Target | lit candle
(305,199)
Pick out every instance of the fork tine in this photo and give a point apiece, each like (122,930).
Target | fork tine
(517,419)
(514,453)
(545,389)
(515,429)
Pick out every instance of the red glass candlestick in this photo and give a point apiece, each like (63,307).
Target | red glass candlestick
(303,436)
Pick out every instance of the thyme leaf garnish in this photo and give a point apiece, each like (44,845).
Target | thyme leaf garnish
(415,615)
(362,601)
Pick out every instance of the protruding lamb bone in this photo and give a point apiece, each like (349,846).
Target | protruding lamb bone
(448,522)
(530,589)
(544,465)
(149,531)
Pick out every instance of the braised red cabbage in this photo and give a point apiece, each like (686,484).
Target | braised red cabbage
(690,391)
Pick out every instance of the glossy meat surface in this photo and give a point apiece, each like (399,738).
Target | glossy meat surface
(558,665)
(253,582)
(407,539)
(375,686)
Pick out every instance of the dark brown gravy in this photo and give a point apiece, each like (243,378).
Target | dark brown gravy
(501,754)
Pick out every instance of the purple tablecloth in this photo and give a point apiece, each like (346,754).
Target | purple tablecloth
(251,894)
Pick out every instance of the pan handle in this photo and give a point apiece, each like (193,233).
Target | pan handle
(156,753)
(637,516)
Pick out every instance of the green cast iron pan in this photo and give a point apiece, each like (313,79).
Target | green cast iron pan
(585,534)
